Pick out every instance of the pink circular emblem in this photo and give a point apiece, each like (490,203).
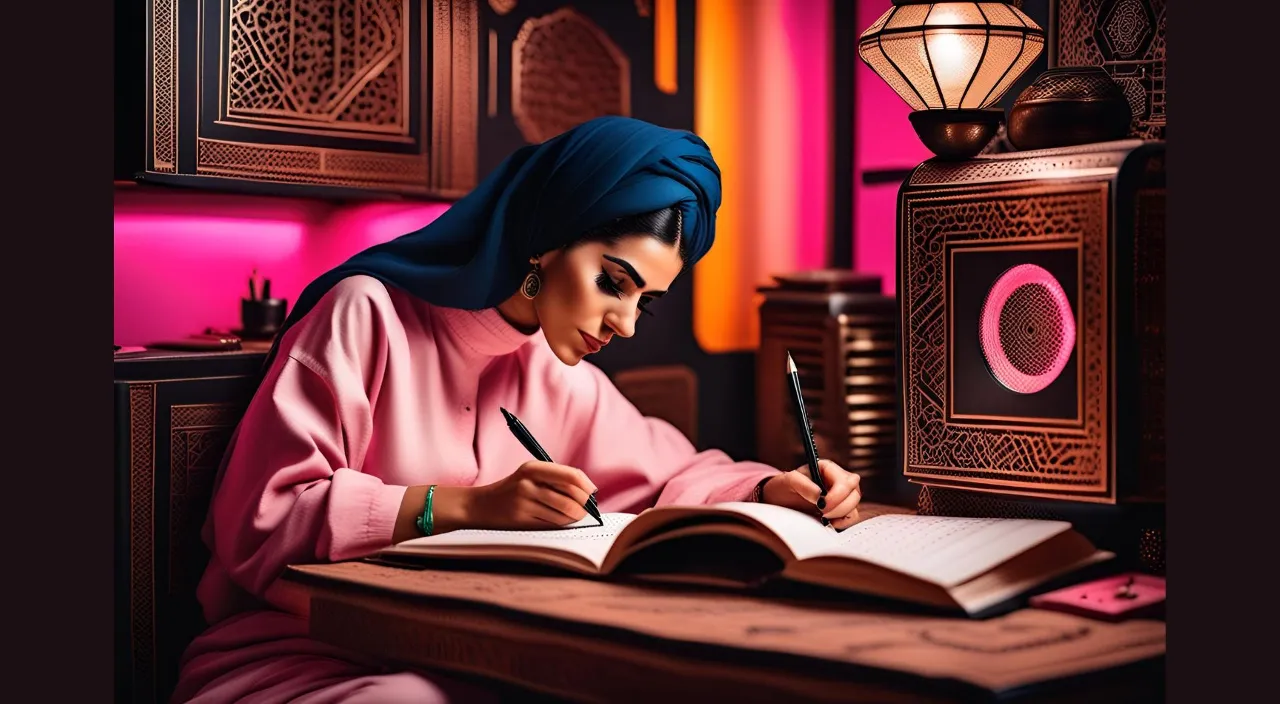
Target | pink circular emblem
(1027,330)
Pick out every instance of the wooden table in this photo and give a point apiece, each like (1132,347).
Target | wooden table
(595,641)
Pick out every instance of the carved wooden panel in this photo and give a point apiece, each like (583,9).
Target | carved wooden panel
(318,63)
(565,71)
(198,436)
(313,96)
(141,580)
(548,65)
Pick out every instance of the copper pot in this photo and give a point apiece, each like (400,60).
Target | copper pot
(1069,105)
(956,134)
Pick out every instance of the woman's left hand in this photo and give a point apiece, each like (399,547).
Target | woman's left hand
(795,489)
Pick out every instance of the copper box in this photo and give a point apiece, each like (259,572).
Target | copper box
(1002,389)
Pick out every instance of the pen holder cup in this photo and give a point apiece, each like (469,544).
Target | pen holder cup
(261,318)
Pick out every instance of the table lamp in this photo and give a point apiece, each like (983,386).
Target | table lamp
(950,61)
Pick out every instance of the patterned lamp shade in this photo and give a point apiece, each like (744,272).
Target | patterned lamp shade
(947,55)
(955,57)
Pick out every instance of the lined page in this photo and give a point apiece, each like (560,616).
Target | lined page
(944,550)
(588,539)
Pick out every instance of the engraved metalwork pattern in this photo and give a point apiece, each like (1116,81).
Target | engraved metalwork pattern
(565,71)
(198,436)
(1023,165)
(325,63)
(1068,86)
(1031,329)
(1034,459)
(334,167)
(444,164)
(1125,37)
(142,463)
(937,501)
(164,85)
(532,285)
(1126,28)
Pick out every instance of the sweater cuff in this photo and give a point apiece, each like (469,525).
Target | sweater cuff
(744,489)
(363,514)
(384,509)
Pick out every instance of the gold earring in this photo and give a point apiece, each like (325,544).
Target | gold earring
(532,283)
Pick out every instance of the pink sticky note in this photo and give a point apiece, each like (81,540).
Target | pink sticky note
(1130,595)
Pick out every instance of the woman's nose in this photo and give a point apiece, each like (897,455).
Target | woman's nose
(623,324)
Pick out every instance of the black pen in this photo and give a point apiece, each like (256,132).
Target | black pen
(802,421)
(526,438)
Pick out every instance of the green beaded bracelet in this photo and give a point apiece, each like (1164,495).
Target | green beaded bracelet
(424,521)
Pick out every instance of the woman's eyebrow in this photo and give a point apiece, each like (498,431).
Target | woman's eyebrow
(631,271)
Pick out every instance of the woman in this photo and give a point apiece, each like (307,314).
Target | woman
(388,379)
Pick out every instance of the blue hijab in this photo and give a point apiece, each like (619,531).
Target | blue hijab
(540,198)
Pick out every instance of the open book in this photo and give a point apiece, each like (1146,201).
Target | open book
(969,564)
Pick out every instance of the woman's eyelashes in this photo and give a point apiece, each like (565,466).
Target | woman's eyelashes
(607,285)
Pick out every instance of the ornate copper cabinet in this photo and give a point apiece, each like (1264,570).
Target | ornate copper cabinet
(1031,350)
(1032,318)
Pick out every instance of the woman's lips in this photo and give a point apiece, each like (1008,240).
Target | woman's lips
(593,345)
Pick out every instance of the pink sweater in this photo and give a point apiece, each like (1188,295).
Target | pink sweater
(374,391)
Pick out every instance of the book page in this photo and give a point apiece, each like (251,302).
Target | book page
(941,549)
(589,540)
(803,534)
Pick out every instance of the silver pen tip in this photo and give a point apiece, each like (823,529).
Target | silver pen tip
(791,364)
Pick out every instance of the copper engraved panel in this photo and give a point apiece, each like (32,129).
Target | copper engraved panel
(164,85)
(142,463)
(1027,457)
(1025,165)
(565,71)
(373,95)
(325,64)
(1125,37)
(198,436)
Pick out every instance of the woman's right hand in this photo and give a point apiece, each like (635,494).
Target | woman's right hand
(538,495)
